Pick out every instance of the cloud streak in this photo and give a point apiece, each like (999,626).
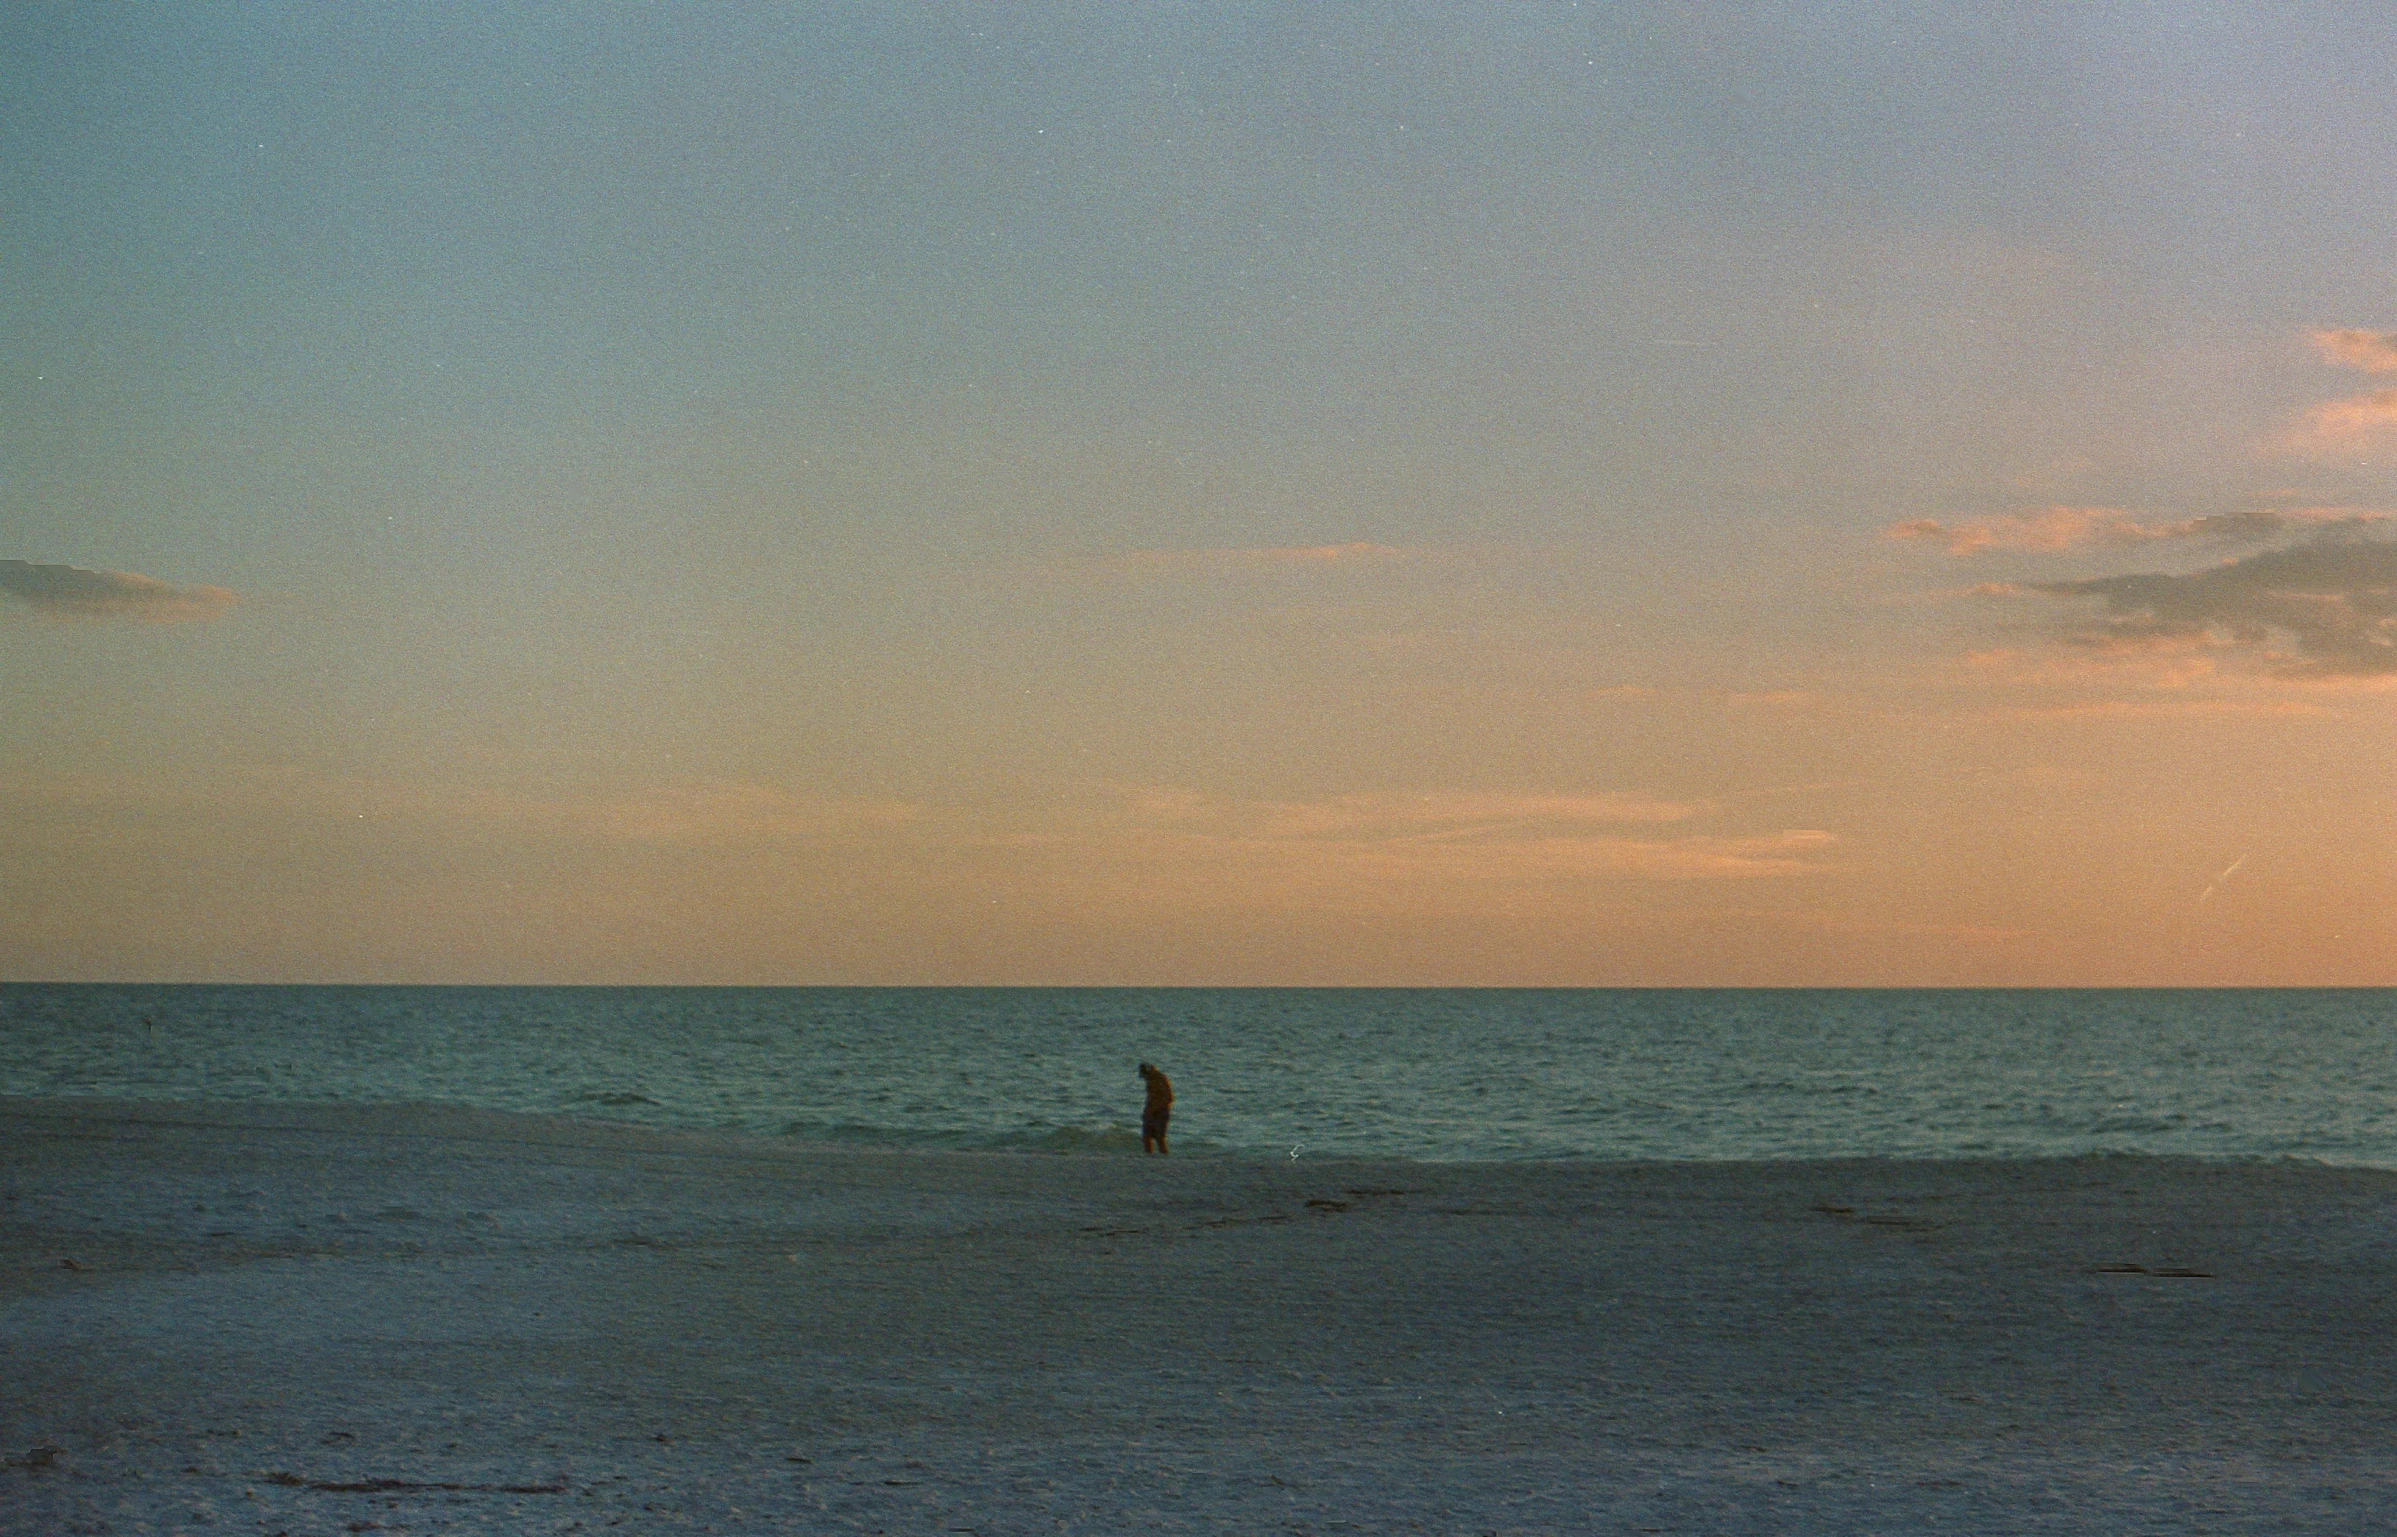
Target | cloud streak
(1454,836)
(2054,529)
(70,592)
(1439,815)
(1257,558)
(693,813)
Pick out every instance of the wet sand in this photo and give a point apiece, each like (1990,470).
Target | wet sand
(317,1320)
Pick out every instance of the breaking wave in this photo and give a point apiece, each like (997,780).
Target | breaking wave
(1110,1141)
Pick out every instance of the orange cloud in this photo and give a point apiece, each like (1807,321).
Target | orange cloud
(2340,426)
(2359,422)
(70,592)
(2375,352)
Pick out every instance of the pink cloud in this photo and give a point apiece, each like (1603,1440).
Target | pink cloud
(2059,528)
(2050,528)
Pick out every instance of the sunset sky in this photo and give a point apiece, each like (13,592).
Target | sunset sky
(1681,493)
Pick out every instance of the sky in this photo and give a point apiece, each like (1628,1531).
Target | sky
(1836,494)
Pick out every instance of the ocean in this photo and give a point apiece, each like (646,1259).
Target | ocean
(1286,1073)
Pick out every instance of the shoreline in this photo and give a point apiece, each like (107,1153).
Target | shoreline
(451,1319)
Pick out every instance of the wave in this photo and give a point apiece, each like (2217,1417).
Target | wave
(1108,1141)
(1499,1076)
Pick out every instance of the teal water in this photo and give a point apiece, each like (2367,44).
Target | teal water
(1431,1074)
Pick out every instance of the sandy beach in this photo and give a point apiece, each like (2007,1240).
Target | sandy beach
(321,1320)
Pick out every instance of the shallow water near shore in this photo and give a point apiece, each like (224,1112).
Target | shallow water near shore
(318,1319)
(1422,1074)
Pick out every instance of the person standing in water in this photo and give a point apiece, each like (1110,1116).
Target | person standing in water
(1157,1112)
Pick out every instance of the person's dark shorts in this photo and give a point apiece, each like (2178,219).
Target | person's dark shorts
(1152,1125)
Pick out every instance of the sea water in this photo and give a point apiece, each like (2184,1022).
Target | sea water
(1286,1073)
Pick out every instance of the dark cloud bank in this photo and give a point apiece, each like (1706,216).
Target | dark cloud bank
(71,591)
(2337,599)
